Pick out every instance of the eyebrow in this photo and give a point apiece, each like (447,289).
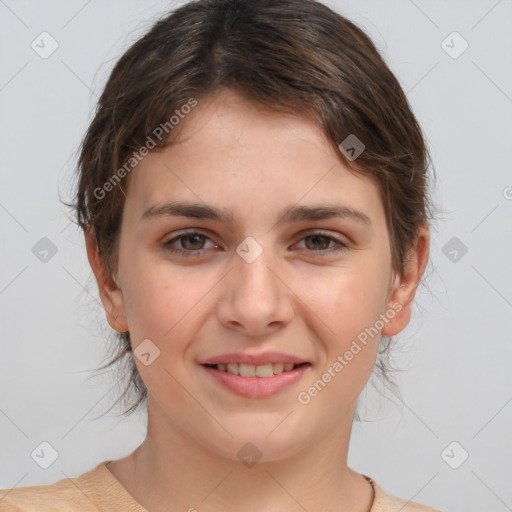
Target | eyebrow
(290,214)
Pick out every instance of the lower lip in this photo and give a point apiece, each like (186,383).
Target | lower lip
(257,387)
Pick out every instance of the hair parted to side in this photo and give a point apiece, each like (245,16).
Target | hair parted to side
(294,56)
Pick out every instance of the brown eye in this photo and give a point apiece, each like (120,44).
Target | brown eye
(192,242)
(189,244)
(318,242)
(322,245)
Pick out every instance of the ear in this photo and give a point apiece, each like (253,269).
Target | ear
(404,287)
(110,294)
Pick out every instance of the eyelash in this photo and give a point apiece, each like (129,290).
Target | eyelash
(198,252)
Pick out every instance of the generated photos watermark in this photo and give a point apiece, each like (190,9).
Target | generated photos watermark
(160,133)
(305,397)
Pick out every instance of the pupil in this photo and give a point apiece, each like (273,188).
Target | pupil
(189,237)
(316,238)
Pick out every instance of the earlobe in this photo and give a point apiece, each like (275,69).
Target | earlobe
(110,293)
(404,287)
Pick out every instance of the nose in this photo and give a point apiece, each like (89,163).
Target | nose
(255,299)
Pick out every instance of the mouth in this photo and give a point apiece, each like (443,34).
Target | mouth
(256,381)
(250,370)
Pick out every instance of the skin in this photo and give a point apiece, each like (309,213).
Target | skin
(240,158)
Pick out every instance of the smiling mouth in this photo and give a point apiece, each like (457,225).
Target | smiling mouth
(250,370)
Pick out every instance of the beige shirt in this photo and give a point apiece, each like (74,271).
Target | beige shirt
(98,490)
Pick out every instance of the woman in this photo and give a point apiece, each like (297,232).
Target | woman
(253,193)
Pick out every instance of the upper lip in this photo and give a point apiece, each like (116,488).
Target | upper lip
(254,359)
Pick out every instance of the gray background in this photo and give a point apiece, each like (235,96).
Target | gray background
(456,354)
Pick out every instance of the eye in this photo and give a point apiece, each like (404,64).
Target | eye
(318,244)
(192,243)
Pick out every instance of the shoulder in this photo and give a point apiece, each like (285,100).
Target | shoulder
(66,495)
(384,502)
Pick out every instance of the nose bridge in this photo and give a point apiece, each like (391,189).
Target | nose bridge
(253,274)
(254,297)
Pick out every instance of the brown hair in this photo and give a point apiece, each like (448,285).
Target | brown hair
(295,56)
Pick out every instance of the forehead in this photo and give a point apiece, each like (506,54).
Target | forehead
(235,154)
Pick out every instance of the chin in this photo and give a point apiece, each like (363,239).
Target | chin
(265,440)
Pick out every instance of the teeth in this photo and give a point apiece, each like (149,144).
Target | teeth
(233,368)
(264,370)
(278,368)
(247,370)
(250,370)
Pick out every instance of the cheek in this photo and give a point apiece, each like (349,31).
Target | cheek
(348,302)
(350,307)
(162,308)
(162,304)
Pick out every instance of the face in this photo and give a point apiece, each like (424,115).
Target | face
(285,258)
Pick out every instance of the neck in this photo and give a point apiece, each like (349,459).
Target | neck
(171,471)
